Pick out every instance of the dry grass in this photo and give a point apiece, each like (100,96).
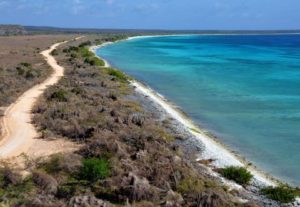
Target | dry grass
(21,65)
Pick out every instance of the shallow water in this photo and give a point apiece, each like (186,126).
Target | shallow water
(243,89)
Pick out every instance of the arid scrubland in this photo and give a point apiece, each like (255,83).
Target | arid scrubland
(128,157)
(21,65)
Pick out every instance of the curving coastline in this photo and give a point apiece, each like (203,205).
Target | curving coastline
(213,149)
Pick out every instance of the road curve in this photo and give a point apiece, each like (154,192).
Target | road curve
(18,132)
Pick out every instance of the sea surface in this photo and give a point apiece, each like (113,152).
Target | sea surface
(244,89)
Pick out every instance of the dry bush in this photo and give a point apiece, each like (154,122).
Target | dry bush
(141,204)
(138,189)
(68,163)
(251,204)
(45,181)
(9,176)
(173,199)
(42,200)
(88,201)
(211,198)
(138,119)
(191,185)
(104,145)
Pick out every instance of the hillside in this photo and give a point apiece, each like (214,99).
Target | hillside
(21,30)
(6,30)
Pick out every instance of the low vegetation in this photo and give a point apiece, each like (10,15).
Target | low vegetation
(94,169)
(85,44)
(59,95)
(117,74)
(238,174)
(127,158)
(94,61)
(13,81)
(282,193)
(191,184)
(54,52)
(12,187)
(21,64)
(85,52)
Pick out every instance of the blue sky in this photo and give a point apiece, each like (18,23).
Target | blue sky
(154,14)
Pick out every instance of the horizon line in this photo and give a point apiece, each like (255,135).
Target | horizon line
(152,29)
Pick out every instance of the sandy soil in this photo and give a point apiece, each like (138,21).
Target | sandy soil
(19,134)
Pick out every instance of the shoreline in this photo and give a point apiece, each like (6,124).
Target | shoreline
(213,148)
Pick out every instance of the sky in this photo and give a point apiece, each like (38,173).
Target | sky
(154,14)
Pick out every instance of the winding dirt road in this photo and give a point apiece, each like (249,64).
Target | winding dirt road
(18,133)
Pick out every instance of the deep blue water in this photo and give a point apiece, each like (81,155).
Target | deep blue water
(243,89)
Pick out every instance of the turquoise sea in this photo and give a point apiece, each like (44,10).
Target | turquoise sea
(245,89)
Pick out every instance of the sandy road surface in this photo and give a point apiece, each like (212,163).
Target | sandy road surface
(18,133)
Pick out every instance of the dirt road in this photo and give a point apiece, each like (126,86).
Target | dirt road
(18,133)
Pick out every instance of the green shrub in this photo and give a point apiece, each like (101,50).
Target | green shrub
(238,174)
(98,42)
(32,74)
(283,193)
(94,169)
(94,61)
(70,49)
(15,193)
(59,95)
(53,165)
(116,73)
(87,43)
(85,52)
(8,177)
(27,65)
(65,191)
